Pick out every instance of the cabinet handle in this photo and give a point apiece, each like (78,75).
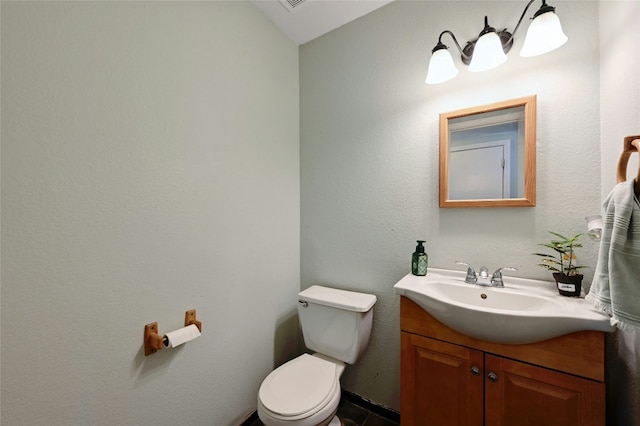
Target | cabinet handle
(475,370)
(492,376)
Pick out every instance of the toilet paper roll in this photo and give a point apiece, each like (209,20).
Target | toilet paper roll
(180,336)
(595,225)
(594,222)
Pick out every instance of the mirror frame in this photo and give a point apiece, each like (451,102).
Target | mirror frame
(529,200)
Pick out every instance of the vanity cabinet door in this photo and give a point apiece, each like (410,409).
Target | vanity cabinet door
(441,383)
(523,394)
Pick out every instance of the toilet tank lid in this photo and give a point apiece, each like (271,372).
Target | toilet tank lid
(342,299)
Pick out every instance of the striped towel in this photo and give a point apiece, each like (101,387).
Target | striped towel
(616,283)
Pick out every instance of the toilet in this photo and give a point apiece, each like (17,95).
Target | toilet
(336,325)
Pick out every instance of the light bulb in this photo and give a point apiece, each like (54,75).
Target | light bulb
(487,53)
(544,35)
(441,67)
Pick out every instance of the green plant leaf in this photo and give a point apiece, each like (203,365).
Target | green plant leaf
(562,237)
(549,267)
(564,247)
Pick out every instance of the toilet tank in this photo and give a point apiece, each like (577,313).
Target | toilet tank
(334,322)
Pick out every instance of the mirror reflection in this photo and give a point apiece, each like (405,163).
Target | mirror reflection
(487,155)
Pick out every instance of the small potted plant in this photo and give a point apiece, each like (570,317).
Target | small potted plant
(562,263)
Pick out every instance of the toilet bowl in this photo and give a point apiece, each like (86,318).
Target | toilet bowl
(305,391)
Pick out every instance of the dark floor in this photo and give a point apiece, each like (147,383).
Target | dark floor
(352,412)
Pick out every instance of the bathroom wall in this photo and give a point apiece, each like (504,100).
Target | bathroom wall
(619,85)
(150,165)
(149,168)
(369,156)
(620,117)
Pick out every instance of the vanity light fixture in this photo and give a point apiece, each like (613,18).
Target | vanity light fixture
(489,50)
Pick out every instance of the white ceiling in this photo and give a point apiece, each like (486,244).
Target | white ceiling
(309,19)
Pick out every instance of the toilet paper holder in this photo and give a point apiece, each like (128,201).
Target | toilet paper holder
(154,341)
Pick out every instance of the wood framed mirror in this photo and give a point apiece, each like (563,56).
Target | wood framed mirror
(488,155)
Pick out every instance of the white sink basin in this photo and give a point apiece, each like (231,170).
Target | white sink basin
(524,311)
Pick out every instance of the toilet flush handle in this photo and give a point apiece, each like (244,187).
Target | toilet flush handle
(303,303)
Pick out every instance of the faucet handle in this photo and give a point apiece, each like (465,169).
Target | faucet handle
(496,278)
(471,277)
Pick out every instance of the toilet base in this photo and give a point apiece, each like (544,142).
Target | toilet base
(335,421)
(326,417)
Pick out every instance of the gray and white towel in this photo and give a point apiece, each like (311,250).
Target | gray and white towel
(616,283)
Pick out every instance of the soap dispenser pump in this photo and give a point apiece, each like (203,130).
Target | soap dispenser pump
(419,260)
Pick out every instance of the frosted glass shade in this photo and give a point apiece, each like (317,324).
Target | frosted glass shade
(441,67)
(544,35)
(488,53)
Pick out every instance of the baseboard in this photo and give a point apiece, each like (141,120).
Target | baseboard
(367,404)
(253,417)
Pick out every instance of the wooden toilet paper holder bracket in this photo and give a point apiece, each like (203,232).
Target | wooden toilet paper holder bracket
(190,318)
(153,341)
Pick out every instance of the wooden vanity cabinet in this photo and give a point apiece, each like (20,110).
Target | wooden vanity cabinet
(451,379)
(437,383)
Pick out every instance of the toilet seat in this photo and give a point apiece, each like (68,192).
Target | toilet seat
(299,388)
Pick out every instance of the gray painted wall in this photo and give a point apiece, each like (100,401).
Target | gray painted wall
(369,156)
(142,152)
(620,117)
(150,165)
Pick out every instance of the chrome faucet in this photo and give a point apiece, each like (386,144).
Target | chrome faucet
(496,278)
(471,277)
(482,277)
(484,273)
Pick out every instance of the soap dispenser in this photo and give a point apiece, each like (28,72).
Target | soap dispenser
(419,260)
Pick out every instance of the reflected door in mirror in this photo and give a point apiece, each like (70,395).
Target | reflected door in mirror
(481,171)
